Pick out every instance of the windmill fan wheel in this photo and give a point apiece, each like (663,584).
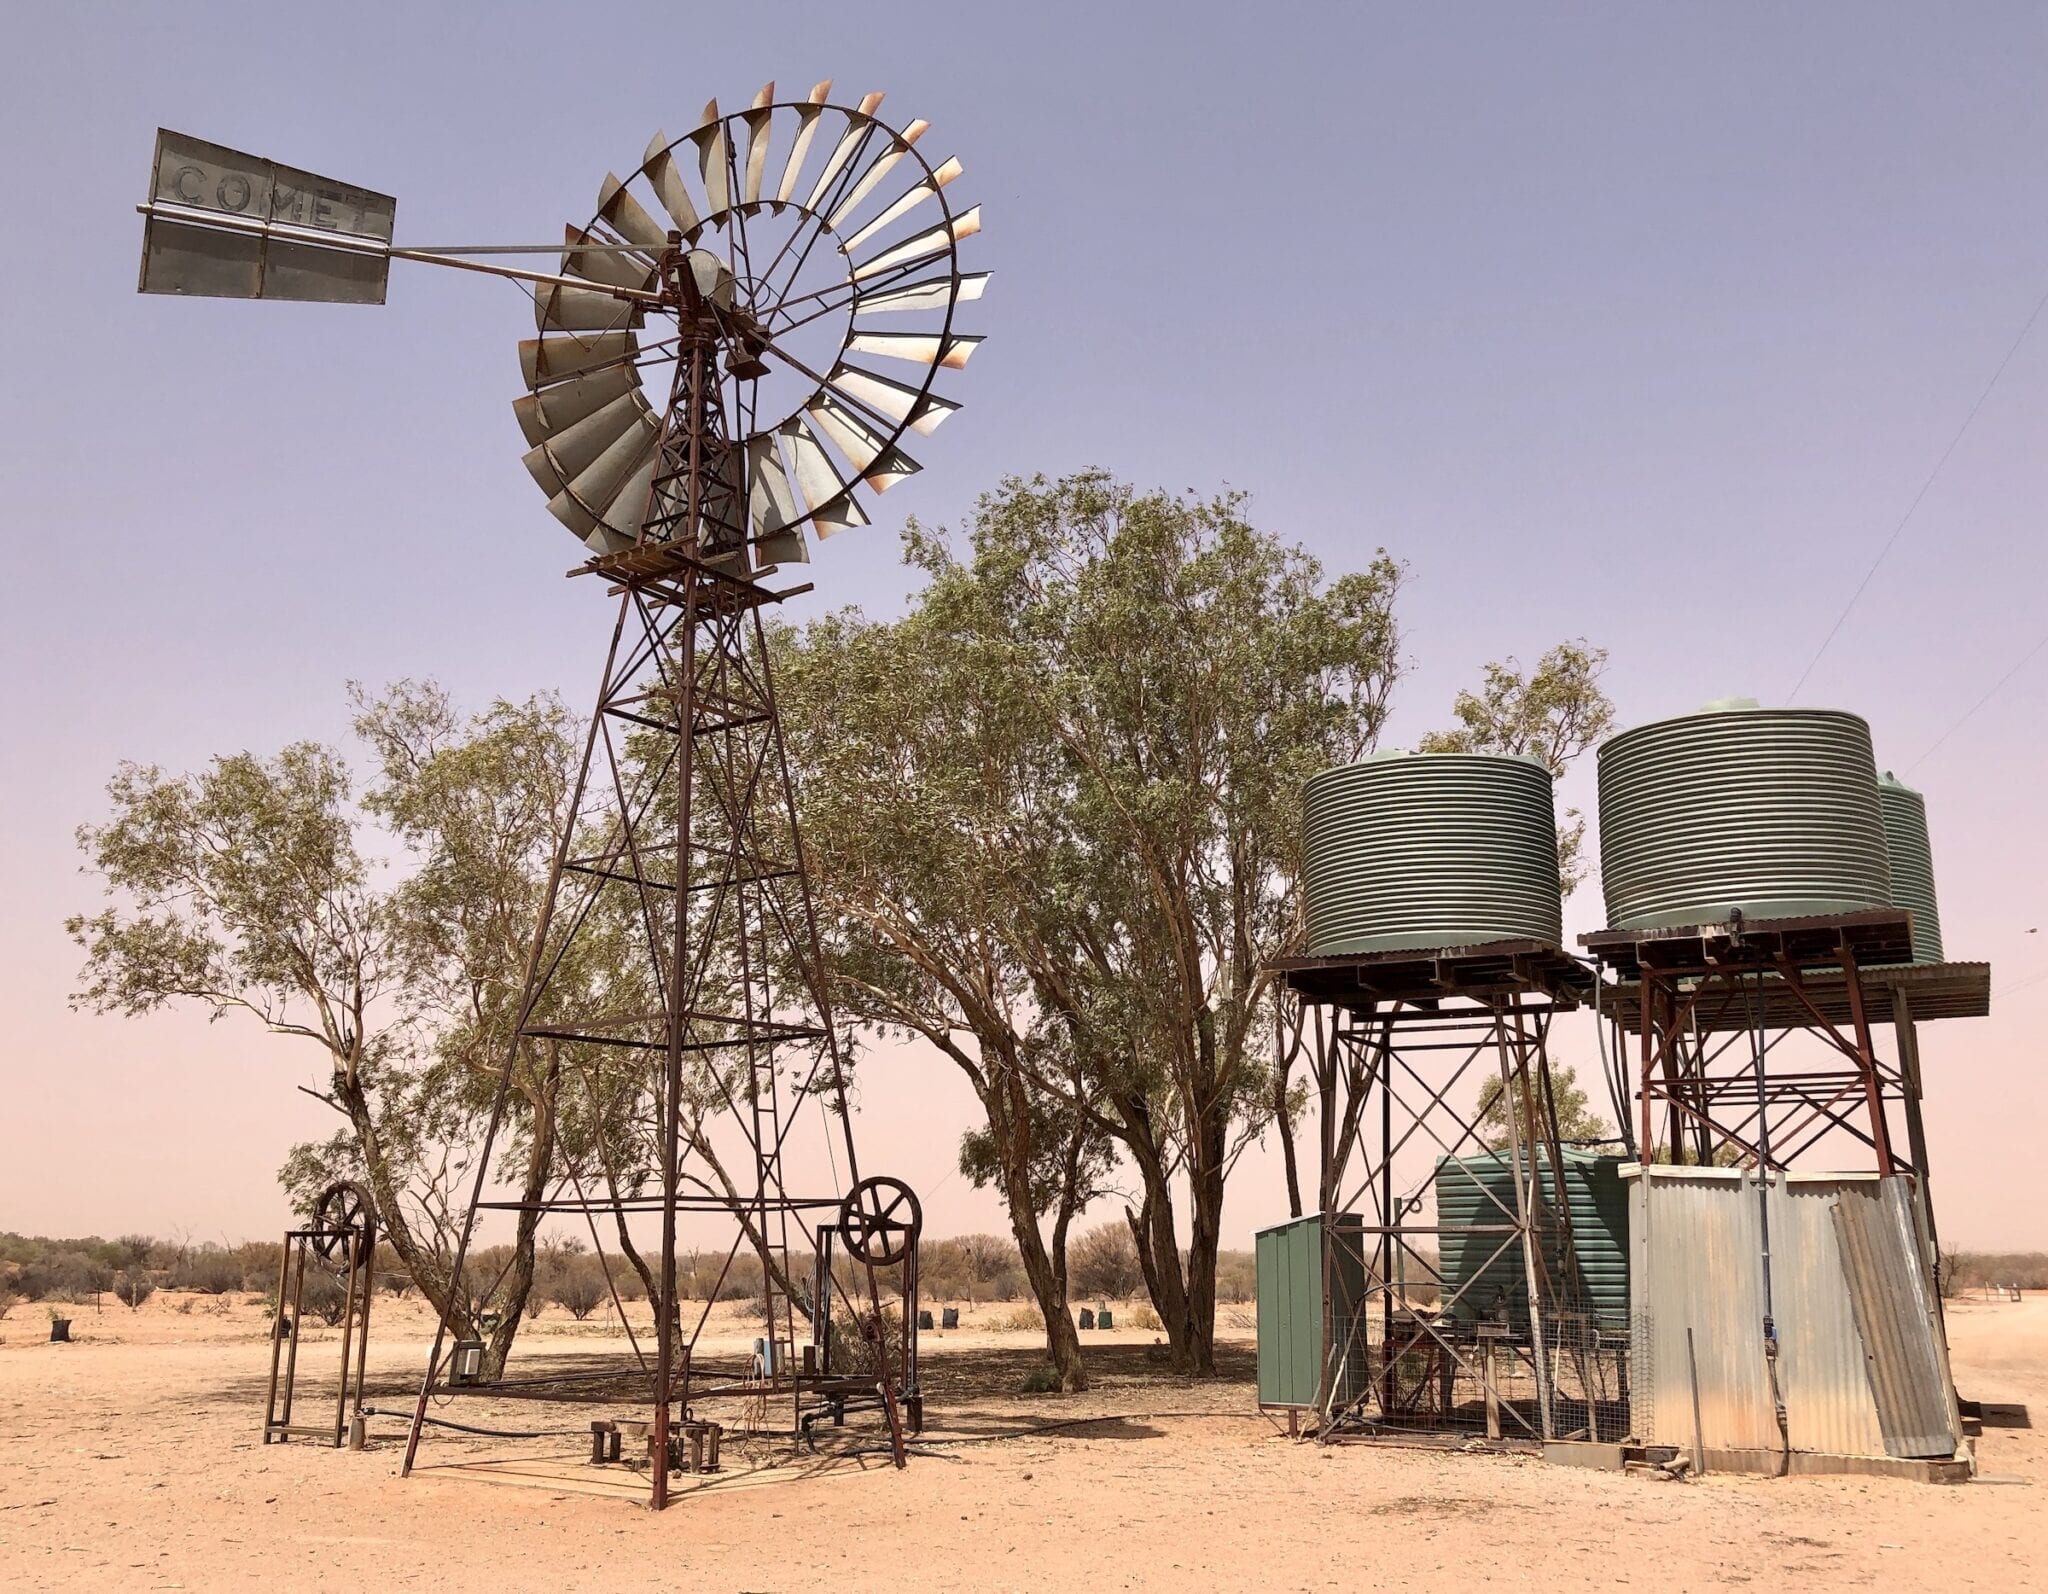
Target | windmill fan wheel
(820,242)
(344,1207)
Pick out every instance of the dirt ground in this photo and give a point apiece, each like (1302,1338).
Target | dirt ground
(130,1460)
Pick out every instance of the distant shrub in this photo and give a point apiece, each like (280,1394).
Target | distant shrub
(577,1285)
(258,1261)
(132,1287)
(323,1296)
(8,1300)
(1237,1277)
(1981,1269)
(208,1269)
(64,1275)
(1104,1263)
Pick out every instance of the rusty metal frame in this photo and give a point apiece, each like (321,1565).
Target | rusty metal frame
(1392,1037)
(1697,992)
(357,1244)
(704,842)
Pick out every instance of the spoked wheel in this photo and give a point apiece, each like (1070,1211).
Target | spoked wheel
(879,1221)
(343,1206)
(821,250)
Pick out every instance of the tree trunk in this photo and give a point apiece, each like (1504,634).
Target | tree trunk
(1283,1120)
(1009,1120)
(1205,1238)
(1284,1054)
(421,1263)
(518,1280)
(1152,1229)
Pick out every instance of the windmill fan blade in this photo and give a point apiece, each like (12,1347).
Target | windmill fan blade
(598,483)
(583,310)
(833,507)
(710,142)
(925,189)
(771,506)
(931,294)
(882,165)
(628,215)
(806,125)
(556,408)
(669,186)
(629,505)
(880,467)
(601,265)
(916,347)
(760,134)
(897,400)
(929,242)
(858,130)
(547,360)
(566,454)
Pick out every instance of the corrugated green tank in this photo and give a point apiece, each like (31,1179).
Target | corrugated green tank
(1425,850)
(1912,860)
(1467,1190)
(1773,811)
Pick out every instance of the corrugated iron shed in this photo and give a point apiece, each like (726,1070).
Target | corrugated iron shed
(1697,1247)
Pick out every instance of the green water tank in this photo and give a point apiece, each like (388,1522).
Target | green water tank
(1484,1282)
(1773,811)
(1912,860)
(1428,850)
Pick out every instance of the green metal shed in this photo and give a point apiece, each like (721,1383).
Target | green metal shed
(1292,1320)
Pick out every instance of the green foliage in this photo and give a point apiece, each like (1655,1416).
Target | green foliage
(1554,715)
(1054,811)
(245,887)
(1577,1122)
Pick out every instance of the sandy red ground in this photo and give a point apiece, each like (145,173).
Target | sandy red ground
(131,1460)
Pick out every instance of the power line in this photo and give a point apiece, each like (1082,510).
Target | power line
(2025,660)
(1854,597)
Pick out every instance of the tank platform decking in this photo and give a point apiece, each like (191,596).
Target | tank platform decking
(1869,936)
(1921,991)
(1359,980)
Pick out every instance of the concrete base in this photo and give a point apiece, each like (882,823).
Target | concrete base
(1578,1453)
(1811,1463)
(1760,1463)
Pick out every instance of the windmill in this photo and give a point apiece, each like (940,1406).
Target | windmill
(738,342)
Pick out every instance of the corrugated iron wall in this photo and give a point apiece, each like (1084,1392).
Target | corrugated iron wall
(1696,1247)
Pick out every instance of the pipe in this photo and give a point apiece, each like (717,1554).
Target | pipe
(1763,1208)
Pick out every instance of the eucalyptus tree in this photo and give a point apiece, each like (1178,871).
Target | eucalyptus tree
(1553,714)
(245,888)
(929,805)
(1055,813)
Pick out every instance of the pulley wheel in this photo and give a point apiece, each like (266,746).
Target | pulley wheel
(343,1206)
(879,1221)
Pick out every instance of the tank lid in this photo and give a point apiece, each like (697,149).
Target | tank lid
(1386,754)
(1893,781)
(1729,705)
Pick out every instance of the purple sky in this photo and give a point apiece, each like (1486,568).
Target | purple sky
(1639,323)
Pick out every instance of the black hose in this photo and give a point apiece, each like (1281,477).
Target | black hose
(463,1427)
(1083,1422)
